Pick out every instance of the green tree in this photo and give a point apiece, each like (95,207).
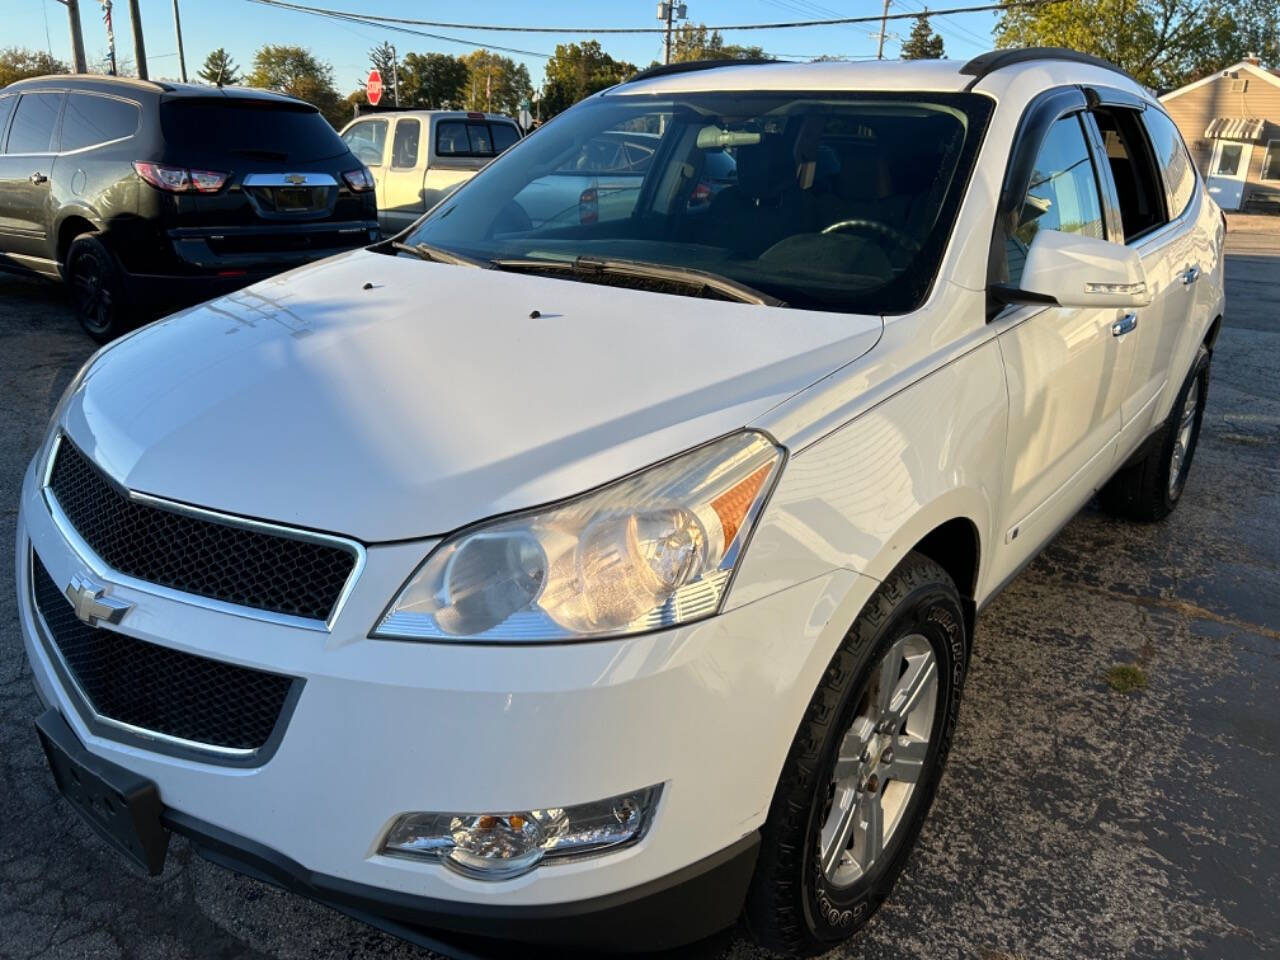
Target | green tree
(495,83)
(1163,43)
(923,43)
(690,42)
(432,80)
(577,70)
(18,63)
(219,69)
(293,70)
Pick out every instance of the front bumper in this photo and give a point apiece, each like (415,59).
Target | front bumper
(385,727)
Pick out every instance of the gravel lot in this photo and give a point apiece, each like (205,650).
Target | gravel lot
(1073,821)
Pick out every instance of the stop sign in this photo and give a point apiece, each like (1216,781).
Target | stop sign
(373,87)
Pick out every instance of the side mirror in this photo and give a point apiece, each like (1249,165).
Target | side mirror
(1072,270)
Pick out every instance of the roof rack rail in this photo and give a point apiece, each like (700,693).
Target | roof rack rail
(987,63)
(687,66)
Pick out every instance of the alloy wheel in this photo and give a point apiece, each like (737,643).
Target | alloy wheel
(881,762)
(1182,443)
(93,296)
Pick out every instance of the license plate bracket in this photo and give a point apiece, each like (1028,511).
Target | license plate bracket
(123,807)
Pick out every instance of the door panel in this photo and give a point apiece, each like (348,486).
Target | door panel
(402,200)
(1066,370)
(1066,381)
(25,169)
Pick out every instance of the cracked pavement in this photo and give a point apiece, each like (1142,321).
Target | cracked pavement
(1072,820)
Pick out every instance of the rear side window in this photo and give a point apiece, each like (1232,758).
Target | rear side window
(6,108)
(404,149)
(1175,162)
(473,138)
(34,123)
(1063,194)
(248,128)
(1139,187)
(367,139)
(89,120)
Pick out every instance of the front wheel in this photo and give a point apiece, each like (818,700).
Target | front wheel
(863,767)
(97,288)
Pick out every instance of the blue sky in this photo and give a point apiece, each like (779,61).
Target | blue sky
(242,26)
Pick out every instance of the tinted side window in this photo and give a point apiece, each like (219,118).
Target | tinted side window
(366,140)
(6,108)
(404,148)
(1063,193)
(1171,153)
(89,120)
(34,123)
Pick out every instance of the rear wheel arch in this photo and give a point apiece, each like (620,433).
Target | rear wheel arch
(72,226)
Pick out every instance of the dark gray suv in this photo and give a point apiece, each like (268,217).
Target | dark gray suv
(147,196)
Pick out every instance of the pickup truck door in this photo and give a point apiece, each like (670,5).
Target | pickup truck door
(402,201)
(1064,367)
(368,139)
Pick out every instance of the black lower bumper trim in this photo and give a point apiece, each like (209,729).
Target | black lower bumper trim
(672,911)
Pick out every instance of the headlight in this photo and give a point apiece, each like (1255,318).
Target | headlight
(652,550)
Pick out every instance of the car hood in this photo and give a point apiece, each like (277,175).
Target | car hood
(388,398)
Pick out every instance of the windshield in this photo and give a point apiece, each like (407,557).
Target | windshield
(825,201)
(269,131)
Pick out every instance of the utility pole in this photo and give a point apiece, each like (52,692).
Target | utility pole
(77,40)
(884,27)
(668,12)
(139,49)
(395,71)
(177,28)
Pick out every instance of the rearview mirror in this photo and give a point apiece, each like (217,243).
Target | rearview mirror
(1072,270)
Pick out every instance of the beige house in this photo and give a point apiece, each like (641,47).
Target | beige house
(1231,122)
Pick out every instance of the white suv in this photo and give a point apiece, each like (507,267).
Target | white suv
(594,583)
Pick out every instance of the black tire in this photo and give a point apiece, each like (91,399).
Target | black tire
(791,906)
(1147,489)
(97,289)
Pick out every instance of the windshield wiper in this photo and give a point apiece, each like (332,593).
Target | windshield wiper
(428,251)
(699,279)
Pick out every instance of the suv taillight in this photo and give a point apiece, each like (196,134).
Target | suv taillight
(360,181)
(180,179)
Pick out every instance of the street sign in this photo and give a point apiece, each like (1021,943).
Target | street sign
(525,118)
(373,87)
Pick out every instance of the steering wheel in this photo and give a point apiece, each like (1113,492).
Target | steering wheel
(875,226)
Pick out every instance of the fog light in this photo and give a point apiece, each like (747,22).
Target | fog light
(494,846)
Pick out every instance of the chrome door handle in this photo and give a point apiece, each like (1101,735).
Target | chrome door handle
(38,178)
(1190,275)
(1126,324)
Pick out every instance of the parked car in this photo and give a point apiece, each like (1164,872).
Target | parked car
(594,584)
(414,172)
(152,195)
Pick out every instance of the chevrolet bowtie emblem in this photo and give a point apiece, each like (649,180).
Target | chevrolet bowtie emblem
(92,605)
(295,179)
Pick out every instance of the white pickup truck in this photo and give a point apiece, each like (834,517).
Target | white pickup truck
(413,172)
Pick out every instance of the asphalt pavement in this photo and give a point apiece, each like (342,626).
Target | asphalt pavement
(1075,819)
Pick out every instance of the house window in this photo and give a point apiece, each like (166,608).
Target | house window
(1271,161)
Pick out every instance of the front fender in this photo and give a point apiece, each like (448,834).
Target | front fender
(861,497)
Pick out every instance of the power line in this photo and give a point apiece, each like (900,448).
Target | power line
(722,28)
